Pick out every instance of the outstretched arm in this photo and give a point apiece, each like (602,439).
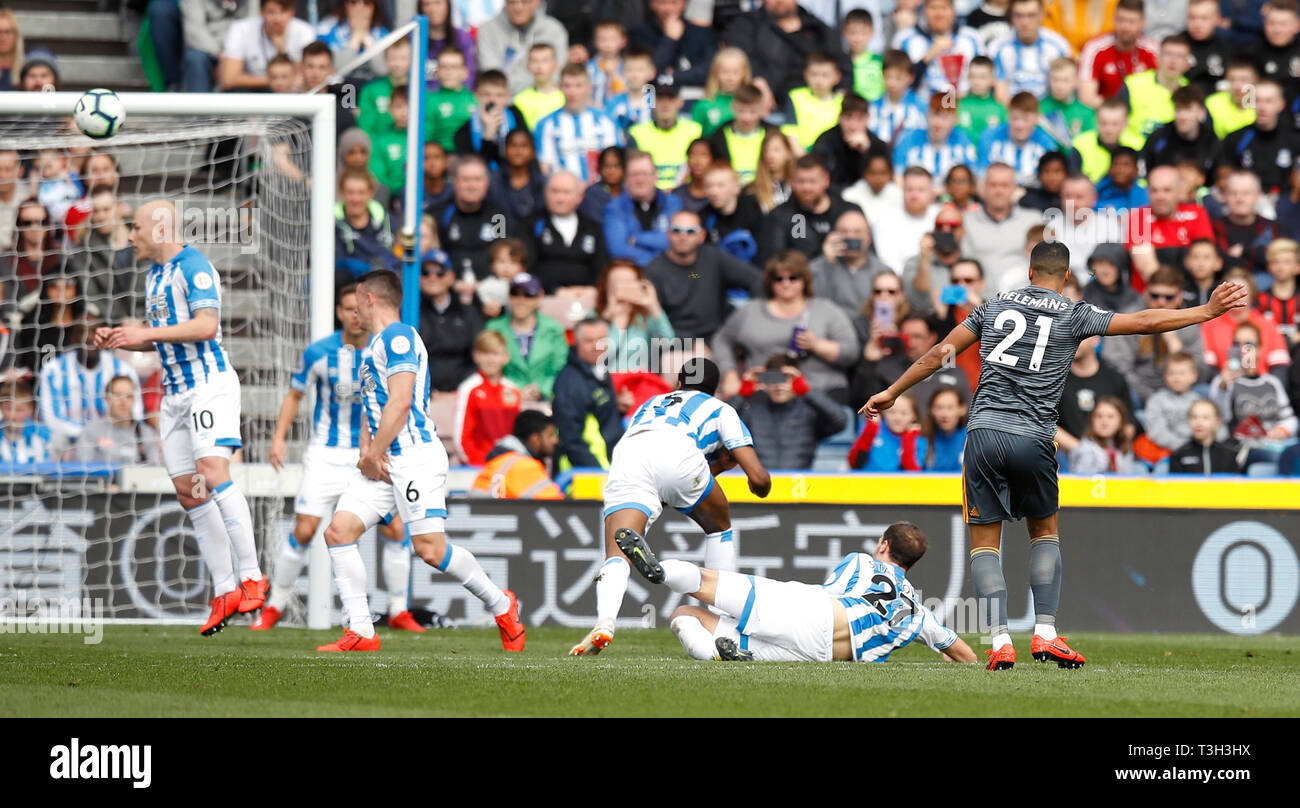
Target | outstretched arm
(1226,296)
(958,340)
(760,482)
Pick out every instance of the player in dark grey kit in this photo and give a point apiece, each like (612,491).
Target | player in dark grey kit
(1027,339)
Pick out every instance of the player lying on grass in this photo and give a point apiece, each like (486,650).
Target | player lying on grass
(1028,339)
(864,612)
(663,459)
(332,367)
(402,466)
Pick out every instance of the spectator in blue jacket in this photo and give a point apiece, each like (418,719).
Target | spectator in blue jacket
(587,413)
(636,221)
(945,430)
(683,52)
(363,235)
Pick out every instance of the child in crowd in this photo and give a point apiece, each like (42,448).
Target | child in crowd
(1119,190)
(730,70)
(1254,403)
(509,258)
(606,67)
(740,140)
(537,343)
(57,186)
(494,118)
(945,431)
(1020,142)
(1106,447)
(1204,453)
(282,74)
(816,107)
(448,109)
(572,137)
(388,149)
(22,440)
(1279,303)
(636,103)
(1203,263)
(545,96)
(372,103)
(868,77)
(978,109)
(486,402)
(1166,410)
(898,108)
(1234,108)
(893,443)
(1064,116)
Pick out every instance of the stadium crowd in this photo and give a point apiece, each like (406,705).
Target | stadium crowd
(611,187)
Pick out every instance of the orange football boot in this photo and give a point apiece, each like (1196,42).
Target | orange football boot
(352,641)
(223,607)
(1057,651)
(512,629)
(267,619)
(405,622)
(255,593)
(1002,659)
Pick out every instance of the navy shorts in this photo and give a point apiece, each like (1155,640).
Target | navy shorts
(1006,477)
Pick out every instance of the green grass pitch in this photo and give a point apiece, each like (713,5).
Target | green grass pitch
(172,671)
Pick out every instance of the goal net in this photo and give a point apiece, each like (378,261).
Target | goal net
(88,518)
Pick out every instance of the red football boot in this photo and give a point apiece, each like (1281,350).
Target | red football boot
(1002,659)
(223,607)
(352,641)
(512,629)
(255,593)
(405,622)
(1056,651)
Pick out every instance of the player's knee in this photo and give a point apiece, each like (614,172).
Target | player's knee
(430,548)
(336,534)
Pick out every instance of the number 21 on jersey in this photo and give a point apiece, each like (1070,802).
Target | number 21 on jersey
(1018,327)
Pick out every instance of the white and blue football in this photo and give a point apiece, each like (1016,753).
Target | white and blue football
(99,113)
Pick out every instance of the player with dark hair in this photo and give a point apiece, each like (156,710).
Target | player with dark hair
(1028,338)
(866,609)
(674,445)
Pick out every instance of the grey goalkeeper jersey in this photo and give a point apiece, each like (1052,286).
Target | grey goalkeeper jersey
(1027,341)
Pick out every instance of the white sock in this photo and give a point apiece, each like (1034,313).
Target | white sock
(1000,640)
(239,526)
(214,546)
(734,591)
(397,575)
(461,564)
(694,637)
(1045,630)
(288,566)
(350,577)
(720,551)
(610,588)
(682,576)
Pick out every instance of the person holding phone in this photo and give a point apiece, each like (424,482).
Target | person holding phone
(786,416)
(926,274)
(847,266)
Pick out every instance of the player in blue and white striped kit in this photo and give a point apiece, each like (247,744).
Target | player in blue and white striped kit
(199,419)
(403,466)
(330,367)
(672,448)
(866,610)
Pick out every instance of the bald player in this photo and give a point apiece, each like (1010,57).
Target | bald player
(1028,338)
(199,421)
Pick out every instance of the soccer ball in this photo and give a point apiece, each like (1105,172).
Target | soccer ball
(99,113)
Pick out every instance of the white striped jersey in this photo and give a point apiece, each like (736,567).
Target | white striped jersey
(397,349)
(706,420)
(466,14)
(917,43)
(603,89)
(72,395)
(1024,67)
(630,109)
(915,149)
(888,121)
(31,446)
(573,141)
(173,293)
(996,146)
(885,612)
(332,369)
